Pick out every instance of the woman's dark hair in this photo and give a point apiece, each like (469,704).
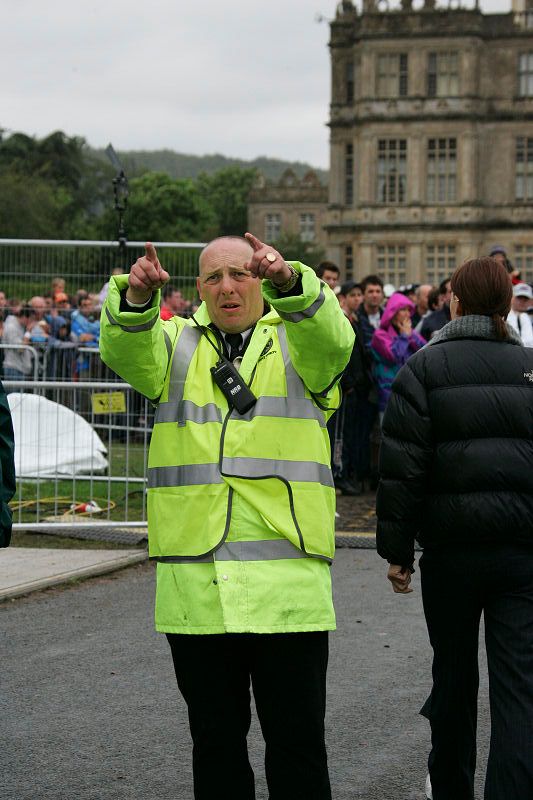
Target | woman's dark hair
(483,286)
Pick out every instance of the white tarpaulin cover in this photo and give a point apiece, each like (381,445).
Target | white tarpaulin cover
(51,439)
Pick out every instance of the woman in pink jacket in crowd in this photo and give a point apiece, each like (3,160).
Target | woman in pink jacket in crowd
(393,343)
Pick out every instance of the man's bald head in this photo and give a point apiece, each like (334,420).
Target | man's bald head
(38,305)
(230,291)
(422,294)
(225,245)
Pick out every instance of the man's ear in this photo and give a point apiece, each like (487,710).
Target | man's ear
(199,288)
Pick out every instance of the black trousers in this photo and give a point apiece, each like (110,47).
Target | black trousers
(457,586)
(288,676)
(365,416)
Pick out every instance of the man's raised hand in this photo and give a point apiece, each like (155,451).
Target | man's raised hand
(146,275)
(267,262)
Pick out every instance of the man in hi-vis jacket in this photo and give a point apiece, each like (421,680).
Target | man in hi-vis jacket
(241,500)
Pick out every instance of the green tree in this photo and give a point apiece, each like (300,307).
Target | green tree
(57,159)
(30,208)
(163,209)
(226,192)
(67,180)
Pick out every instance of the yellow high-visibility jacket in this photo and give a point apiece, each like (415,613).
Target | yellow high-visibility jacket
(203,455)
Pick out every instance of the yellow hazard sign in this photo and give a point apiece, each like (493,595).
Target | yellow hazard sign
(109,402)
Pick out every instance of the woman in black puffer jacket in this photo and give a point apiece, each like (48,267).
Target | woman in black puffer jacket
(456,468)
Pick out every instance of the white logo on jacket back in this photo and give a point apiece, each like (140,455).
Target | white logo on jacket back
(529,376)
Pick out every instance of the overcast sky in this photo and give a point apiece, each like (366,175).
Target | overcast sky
(198,76)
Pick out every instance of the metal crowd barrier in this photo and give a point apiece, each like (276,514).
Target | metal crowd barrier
(67,362)
(28,348)
(80,454)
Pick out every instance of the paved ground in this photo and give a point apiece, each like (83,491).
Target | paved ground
(25,569)
(90,710)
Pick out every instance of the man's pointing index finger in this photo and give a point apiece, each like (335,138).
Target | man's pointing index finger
(256,243)
(151,253)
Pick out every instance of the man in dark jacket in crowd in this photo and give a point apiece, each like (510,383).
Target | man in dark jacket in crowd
(371,311)
(329,273)
(7,468)
(350,462)
(369,316)
(438,319)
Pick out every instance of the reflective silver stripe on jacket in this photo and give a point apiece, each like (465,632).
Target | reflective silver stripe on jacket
(195,474)
(183,411)
(171,410)
(184,475)
(307,313)
(292,408)
(295,385)
(261,550)
(145,326)
(306,471)
(264,550)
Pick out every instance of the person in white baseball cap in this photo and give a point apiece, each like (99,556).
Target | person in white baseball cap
(518,317)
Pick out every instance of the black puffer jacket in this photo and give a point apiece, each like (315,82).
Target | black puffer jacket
(456,459)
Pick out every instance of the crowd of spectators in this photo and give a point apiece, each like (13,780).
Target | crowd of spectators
(55,335)
(49,335)
(390,325)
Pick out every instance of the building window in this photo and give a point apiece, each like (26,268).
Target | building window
(272,227)
(443,75)
(523,261)
(307,227)
(392,264)
(350,83)
(440,262)
(525,74)
(392,163)
(348,175)
(348,261)
(392,75)
(524,169)
(442,170)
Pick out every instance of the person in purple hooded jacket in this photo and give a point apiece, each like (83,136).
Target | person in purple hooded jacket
(393,343)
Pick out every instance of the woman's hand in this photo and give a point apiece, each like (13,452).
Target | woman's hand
(405,327)
(400,577)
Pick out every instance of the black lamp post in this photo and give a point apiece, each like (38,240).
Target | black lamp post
(120,191)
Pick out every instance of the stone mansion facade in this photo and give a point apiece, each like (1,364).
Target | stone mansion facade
(431,120)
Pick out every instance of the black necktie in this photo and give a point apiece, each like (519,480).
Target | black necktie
(234,345)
